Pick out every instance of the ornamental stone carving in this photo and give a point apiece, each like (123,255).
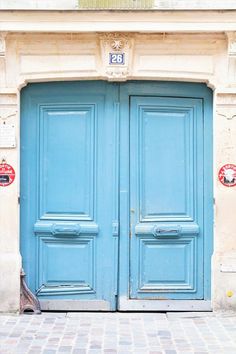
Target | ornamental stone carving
(227,113)
(116,55)
(226,106)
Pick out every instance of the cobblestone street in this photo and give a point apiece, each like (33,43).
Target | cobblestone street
(87,333)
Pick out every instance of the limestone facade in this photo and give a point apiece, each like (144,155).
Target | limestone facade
(205,55)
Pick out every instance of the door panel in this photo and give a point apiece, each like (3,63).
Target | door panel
(165,165)
(158,272)
(60,267)
(67,145)
(69,192)
(166,182)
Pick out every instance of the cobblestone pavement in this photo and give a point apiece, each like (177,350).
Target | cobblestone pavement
(121,333)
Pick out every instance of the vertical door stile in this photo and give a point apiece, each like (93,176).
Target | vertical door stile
(116,217)
(124,147)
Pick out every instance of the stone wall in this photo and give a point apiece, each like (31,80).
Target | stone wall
(199,57)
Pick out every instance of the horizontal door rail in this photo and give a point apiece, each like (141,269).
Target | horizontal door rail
(65,228)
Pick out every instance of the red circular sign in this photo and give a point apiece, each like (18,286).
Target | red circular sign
(7,174)
(227,175)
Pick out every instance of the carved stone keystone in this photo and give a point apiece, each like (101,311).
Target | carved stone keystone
(116,43)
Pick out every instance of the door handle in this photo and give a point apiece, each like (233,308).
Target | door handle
(165,230)
(61,229)
(162,231)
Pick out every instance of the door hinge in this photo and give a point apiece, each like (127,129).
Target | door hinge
(18,200)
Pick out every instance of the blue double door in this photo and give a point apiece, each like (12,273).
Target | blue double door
(116,195)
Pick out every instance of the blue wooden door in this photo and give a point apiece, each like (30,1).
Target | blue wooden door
(69,195)
(168,194)
(116,195)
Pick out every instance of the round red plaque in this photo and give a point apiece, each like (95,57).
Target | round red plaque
(7,175)
(227,175)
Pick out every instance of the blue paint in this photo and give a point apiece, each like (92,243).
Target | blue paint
(67,189)
(117,176)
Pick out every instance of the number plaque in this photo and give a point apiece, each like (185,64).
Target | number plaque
(117,58)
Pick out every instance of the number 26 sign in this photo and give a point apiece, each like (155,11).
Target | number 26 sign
(117,58)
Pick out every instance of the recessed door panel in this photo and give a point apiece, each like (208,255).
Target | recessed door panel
(156,256)
(66,266)
(67,145)
(165,165)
